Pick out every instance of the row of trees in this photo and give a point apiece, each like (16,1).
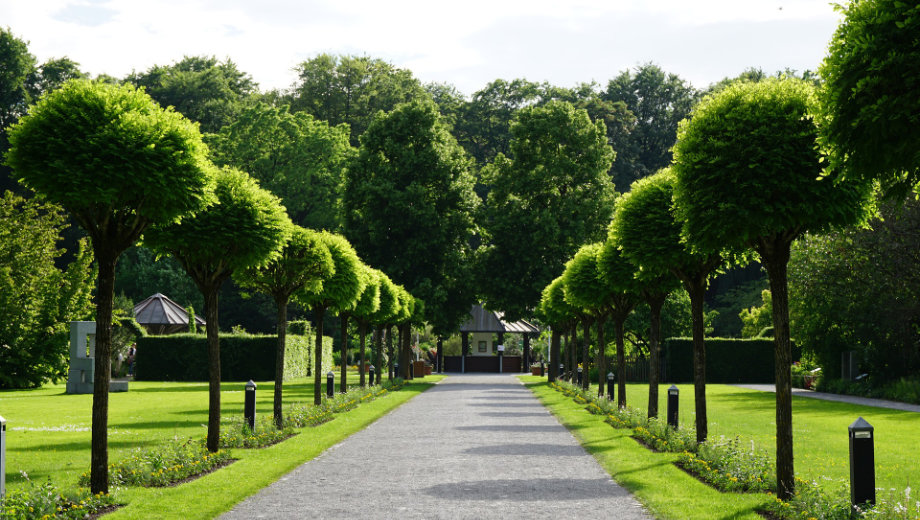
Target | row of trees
(142,171)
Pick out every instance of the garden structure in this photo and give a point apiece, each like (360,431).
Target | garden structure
(160,315)
(481,355)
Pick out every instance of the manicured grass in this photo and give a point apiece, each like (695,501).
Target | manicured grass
(820,435)
(667,491)
(48,435)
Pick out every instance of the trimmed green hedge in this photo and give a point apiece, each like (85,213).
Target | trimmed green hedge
(184,357)
(728,360)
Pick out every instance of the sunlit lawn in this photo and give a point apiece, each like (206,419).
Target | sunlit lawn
(820,435)
(48,431)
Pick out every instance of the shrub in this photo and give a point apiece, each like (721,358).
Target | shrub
(46,501)
(164,464)
(728,360)
(235,433)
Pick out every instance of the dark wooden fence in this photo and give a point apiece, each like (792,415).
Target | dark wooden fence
(510,364)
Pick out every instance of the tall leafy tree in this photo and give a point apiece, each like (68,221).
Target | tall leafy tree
(870,121)
(548,198)
(641,215)
(352,89)
(202,88)
(133,165)
(297,157)
(246,227)
(304,261)
(659,101)
(37,299)
(339,293)
(409,207)
(368,305)
(748,175)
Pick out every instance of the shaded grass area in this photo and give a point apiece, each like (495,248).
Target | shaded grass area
(48,436)
(665,490)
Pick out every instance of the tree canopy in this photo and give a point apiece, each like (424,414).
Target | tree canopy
(551,196)
(870,120)
(409,206)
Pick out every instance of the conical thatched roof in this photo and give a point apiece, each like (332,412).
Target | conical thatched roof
(160,315)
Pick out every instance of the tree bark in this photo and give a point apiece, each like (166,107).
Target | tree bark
(440,358)
(213,332)
(697,290)
(621,362)
(554,356)
(281,302)
(585,360)
(655,303)
(362,365)
(406,364)
(601,356)
(343,384)
(775,254)
(378,344)
(390,367)
(573,353)
(99,464)
(319,313)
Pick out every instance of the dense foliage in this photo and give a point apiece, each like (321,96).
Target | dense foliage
(37,299)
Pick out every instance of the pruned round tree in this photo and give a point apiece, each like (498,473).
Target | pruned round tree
(117,163)
(585,293)
(386,312)
(365,305)
(870,103)
(641,219)
(749,175)
(246,227)
(559,314)
(304,262)
(618,275)
(339,292)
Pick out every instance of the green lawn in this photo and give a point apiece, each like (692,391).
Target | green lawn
(48,435)
(821,442)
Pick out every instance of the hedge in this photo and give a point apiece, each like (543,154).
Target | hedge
(184,357)
(728,360)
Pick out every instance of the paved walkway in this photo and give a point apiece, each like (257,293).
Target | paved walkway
(474,446)
(852,399)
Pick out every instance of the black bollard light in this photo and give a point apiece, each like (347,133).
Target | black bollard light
(370,371)
(542,369)
(395,370)
(579,376)
(330,383)
(611,390)
(249,406)
(673,404)
(561,371)
(862,463)
(2,457)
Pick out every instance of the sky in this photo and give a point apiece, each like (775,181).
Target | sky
(466,44)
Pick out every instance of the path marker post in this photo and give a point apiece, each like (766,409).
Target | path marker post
(249,406)
(673,404)
(862,463)
(330,383)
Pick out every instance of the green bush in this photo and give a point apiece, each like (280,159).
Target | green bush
(184,357)
(728,360)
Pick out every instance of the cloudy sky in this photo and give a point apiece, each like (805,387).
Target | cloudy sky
(465,43)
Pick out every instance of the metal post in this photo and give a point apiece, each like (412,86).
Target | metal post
(862,463)
(249,406)
(579,376)
(330,383)
(561,371)
(542,368)
(2,457)
(673,403)
(395,369)
(611,390)
(501,352)
(370,371)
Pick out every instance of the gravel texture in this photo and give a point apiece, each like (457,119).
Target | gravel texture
(474,446)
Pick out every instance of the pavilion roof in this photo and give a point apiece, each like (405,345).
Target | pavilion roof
(160,315)
(483,320)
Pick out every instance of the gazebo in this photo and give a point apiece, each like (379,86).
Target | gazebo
(483,324)
(160,315)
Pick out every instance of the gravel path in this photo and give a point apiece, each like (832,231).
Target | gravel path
(851,399)
(474,446)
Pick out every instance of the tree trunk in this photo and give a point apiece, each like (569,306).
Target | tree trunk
(378,343)
(440,357)
(99,464)
(655,303)
(362,366)
(573,354)
(405,336)
(697,290)
(213,331)
(343,385)
(319,313)
(279,361)
(585,360)
(554,356)
(390,367)
(775,255)
(601,357)
(621,362)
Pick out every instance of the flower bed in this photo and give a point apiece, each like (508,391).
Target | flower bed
(45,501)
(164,465)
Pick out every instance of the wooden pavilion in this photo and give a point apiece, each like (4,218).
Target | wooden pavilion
(479,344)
